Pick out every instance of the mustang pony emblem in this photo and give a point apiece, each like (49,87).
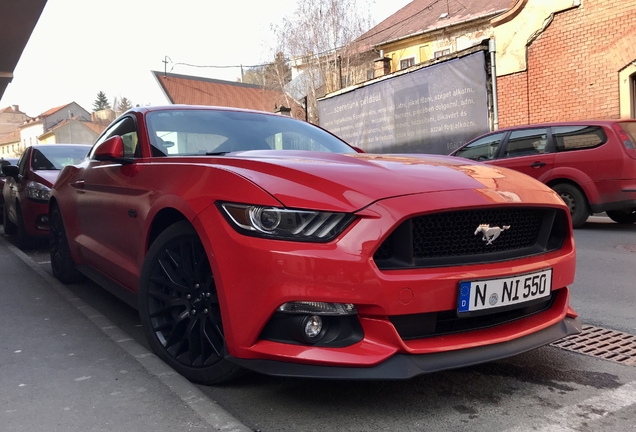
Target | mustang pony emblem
(489,233)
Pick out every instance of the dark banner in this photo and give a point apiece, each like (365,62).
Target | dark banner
(432,110)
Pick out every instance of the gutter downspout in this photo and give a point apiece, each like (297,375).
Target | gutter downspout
(493,74)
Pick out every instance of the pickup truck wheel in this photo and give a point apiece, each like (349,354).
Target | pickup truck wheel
(625,216)
(179,307)
(576,202)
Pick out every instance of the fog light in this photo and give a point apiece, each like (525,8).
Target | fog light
(312,326)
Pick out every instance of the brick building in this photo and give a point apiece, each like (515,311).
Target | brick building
(580,64)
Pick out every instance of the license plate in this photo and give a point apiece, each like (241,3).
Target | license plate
(485,296)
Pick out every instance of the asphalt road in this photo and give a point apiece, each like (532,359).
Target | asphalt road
(547,389)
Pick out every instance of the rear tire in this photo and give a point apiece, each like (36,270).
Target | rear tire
(62,263)
(9,227)
(625,216)
(576,202)
(179,307)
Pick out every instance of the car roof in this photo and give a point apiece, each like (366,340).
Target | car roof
(600,122)
(146,109)
(60,145)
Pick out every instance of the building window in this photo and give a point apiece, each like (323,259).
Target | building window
(407,63)
(442,52)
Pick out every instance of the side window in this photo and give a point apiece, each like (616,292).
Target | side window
(527,142)
(578,137)
(22,163)
(127,130)
(482,149)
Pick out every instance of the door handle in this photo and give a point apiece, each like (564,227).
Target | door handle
(79,184)
(537,164)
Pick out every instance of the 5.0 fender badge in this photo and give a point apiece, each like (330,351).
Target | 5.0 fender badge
(489,233)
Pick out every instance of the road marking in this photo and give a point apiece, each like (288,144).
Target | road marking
(574,417)
(209,411)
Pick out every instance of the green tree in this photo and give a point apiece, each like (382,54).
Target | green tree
(101,102)
(124,105)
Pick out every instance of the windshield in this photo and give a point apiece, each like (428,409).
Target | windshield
(55,156)
(200,132)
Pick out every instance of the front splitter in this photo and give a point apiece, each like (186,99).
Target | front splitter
(405,366)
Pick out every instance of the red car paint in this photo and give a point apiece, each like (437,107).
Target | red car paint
(115,206)
(596,157)
(24,215)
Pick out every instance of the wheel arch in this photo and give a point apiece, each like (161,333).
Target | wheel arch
(575,178)
(571,182)
(164,218)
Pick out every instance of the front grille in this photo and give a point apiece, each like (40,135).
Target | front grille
(418,326)
(450,238)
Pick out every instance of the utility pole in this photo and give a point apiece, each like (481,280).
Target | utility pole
(165,65)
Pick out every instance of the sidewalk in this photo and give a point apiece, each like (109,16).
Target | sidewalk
(65,367)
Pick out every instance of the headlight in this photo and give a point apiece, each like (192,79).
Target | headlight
(285,224)
(37,191)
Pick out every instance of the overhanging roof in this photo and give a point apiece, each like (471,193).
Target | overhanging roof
(17,21)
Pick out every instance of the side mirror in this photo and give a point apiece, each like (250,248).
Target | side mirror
(111,150)
(11,171)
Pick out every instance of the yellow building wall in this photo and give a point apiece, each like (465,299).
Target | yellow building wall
(50,139)
(518,26)
(423,47)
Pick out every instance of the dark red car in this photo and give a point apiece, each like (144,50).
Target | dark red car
(591,164)
(26,191)
(256,241)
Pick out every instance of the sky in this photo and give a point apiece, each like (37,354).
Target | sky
(79,48)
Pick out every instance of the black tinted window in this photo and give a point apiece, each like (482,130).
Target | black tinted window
(578,137)
(527,142)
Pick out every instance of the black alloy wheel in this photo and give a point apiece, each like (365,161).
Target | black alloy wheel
(625,216)
(179,307)
(576,202)
(9,227)
(62,263)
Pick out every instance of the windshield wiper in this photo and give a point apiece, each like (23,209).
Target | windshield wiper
(216,153)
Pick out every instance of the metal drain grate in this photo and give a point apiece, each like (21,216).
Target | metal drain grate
(599,342)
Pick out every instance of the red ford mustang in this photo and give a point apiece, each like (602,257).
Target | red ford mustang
(255,241)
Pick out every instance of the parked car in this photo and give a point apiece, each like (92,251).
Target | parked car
(255,241)
(26,192)
(4,162)
(590,164)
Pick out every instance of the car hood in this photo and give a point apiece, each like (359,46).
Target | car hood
(350,182)
(46,177)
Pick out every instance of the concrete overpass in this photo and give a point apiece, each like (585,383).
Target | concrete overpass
(17,21)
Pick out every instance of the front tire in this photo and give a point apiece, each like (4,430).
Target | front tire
(576,202)
(625,216)
(179,307)
(24,240)
(62,263)
(9,227)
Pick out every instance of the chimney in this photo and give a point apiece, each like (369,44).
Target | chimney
(381,66)
(15,108)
